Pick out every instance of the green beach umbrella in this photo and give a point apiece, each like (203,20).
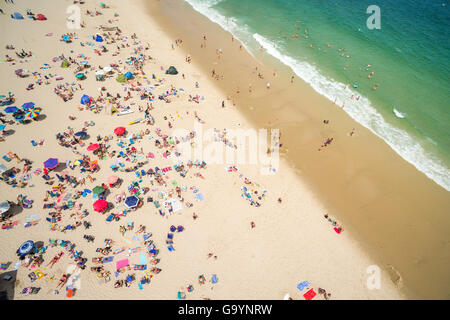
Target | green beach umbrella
(121,78)
(98,190)
(80,76)
(65,64)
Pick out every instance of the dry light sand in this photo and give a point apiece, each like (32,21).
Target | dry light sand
(292,241)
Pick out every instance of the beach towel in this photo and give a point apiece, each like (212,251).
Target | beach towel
(140,267)
(32,276)
(302,285)
(214,279)
(117,251)
(309,295)
(107,259)
(122,263)
(142,259)
(199,196)
(136,238)
(39,273)
(337,230)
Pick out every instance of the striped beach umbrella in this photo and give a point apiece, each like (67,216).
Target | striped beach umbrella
(33,113)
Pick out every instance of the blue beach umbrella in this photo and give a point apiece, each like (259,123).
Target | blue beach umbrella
(98,38)
(25,248)
(128,75)
(80,75)
(131,201)
(85,99)
(2,127)
(81,134)
(28,105)
(51,163)
(11,109)
(17,16)
(19,117)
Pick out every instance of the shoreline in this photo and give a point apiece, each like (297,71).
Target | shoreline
(368,172)
(292,242)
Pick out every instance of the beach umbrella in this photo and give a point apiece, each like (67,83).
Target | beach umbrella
(28,105)
(131,201)
(93,147)
(25,248)
(107,69)
(121,78)
(19,117)
(66,39)
(33,113)
(17,16)
(98,190)
(4,206)
(51,163)
(81,134)
(84,62)
(100,73)
(10,109)
(171,70)
(98,38)
(80,76)
(119,131)
(18,72)
(100,205)
(113,179)
(41,17)
(85,99)
(65,64)
(128,75)
(2,127)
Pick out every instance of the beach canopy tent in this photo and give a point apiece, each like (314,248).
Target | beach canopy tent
(112,180)
(17,16)
(81,134)
(41,17)
(119,131)
(171,70)
(4,206)
(51,163)
(99,38)
(28,105)
(100,205)
(121,78)
(65,64)
(131,201)
(93,147)
(128,75)
(85,99)
(25,248)
(11,109)
(98,190)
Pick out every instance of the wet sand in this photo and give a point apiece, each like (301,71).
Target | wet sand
(398,214)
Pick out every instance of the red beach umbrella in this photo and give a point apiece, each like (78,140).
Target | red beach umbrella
(41,17)
(119,131)
(93,147)
(100,205)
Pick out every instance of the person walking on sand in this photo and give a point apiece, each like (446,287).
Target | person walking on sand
(223,104)
(268,85)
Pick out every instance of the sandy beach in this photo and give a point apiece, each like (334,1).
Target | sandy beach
(248,235)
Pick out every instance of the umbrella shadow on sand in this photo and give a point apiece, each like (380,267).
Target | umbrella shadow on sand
(8,283)
(40,117)
(9,132)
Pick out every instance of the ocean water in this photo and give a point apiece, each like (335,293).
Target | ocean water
(409,57)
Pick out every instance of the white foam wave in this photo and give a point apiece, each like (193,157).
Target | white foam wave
(229,24)
(399,114)
(360,110)
(363,112)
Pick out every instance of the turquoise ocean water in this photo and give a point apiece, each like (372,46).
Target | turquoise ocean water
(409,57)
